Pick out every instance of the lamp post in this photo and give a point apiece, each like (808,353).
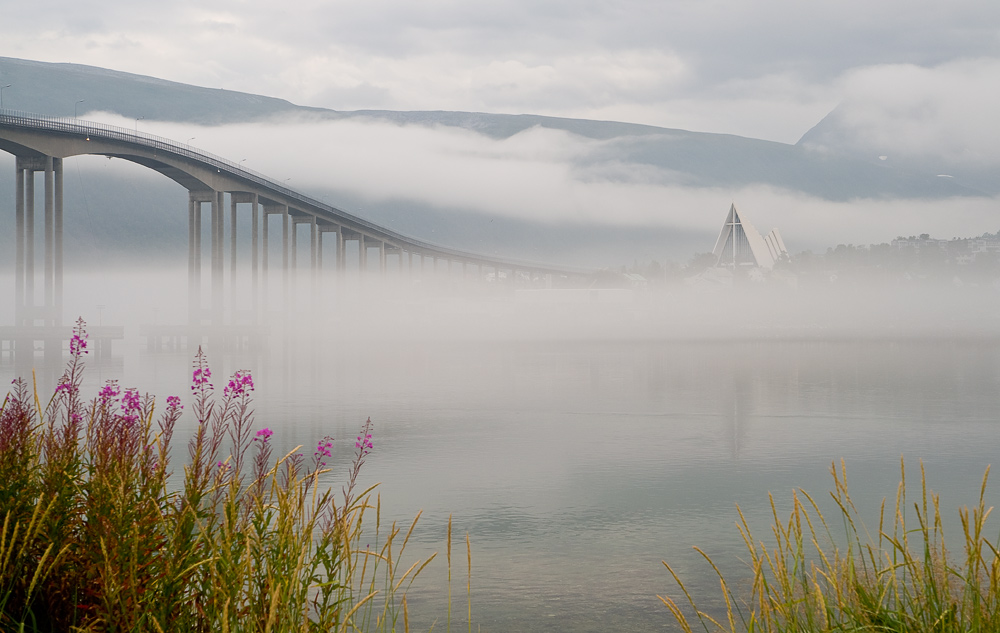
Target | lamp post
(1,94)
(75,106)
(137,124)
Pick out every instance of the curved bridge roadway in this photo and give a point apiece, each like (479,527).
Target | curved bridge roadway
(41,143)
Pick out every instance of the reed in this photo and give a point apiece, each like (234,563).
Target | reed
(901,579)
(96,538)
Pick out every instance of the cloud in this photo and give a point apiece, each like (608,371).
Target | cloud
(768,69)
(948,111)
(551,177)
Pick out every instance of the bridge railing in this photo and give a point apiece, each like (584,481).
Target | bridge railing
(104,131)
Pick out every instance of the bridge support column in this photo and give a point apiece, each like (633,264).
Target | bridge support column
(237,198)
(194,258)
(196,252)
(29,245)
(319,247)
(254,258)
(341,259)
(362,253)
(26,313)
(313,260)
(218,198)
(50,229)
(295,246)
(285,222)
(57,258)
(381,257)
(232,257)
(267,211)
(19,247)
(263,261)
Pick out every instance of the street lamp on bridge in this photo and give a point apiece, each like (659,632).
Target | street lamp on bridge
(75,106)
(1,94)
(137,124)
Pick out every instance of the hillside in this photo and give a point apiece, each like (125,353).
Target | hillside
(691,158)
(115,217)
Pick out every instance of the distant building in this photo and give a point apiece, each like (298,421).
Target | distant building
(740,244)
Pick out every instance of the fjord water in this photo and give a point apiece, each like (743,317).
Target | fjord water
(579,442)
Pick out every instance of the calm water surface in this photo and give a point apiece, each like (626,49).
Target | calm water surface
(576,468)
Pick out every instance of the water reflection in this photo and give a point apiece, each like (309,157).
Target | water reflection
(577,466)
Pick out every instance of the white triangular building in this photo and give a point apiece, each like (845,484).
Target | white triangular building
(740,244)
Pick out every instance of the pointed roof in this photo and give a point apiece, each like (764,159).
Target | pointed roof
(740,244)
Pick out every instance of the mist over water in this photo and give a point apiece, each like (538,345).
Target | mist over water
(582,435)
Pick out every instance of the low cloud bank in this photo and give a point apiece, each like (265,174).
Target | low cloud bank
(551,177)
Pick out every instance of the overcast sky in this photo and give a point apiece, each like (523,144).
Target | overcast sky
(767,69)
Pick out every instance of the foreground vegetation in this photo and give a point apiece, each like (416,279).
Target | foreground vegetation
(97,535)
(903,579)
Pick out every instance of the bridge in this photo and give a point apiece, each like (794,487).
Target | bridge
(40,144)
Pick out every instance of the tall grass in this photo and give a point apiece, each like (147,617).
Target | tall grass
(901,579)
(95,537)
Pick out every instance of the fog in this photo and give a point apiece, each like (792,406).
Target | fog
(550,177)
(579,431)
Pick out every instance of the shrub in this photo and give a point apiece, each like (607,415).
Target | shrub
(96,537)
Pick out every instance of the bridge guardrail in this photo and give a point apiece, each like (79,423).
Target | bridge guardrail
(104,131)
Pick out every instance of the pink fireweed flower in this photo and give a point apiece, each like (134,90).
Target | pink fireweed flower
(78,344)
(131,406)
(364,444)
(200,377)
(239,384)
(263,435)
(110,391)
(173,402)
(323,450)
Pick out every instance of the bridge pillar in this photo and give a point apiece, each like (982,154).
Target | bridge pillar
(321,229)
(195,251)
(57,256)
(313,246)
(194,259)
(381,257)
(29,245)
(362,253)
(218,198)
(319,247)
(263,260)
(341,255)
(26,313)
(19,266)
(232,256)
(267,211)
(254,258)
(50,228)
(236,198)
(285,221)
(295,247)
